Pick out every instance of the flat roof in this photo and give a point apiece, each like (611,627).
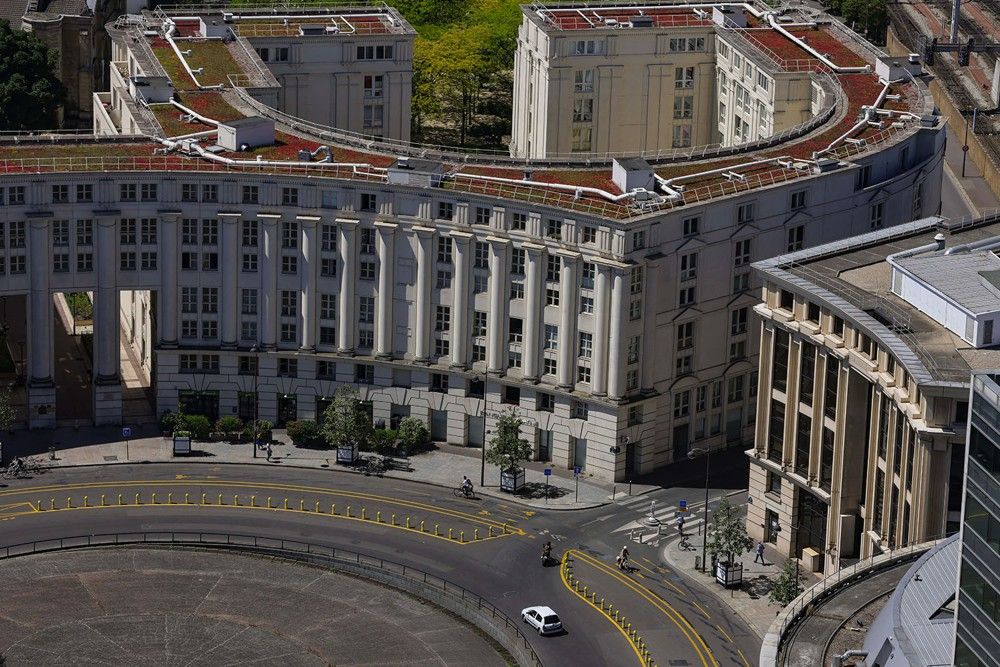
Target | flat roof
(968,279)
(924,636)
(853,277)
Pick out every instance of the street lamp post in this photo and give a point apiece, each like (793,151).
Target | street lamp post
(697,451)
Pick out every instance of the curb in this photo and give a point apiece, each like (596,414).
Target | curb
(489,493)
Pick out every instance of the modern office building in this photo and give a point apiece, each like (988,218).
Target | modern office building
(608,304)
(867,346)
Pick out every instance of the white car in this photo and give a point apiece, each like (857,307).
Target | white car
(542,619)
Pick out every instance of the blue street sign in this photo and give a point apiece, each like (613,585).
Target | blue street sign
(683,504)
(548,471)
(126,432)
(576,470)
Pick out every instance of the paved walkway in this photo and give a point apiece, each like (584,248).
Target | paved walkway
(751,602)
(443,466)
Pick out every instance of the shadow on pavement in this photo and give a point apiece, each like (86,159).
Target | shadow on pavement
(728,469)
(536,490)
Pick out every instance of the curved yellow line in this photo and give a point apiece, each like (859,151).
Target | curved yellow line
(675,616)
(562,575)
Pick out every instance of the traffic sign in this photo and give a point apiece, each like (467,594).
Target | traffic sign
(548,471)
(576,470)
(126,432)
(683,504)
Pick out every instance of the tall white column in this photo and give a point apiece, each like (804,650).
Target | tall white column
(425,267)
(167,295)
(460,300)
(39,331)
(106,315)
(268,264)
(386,264)
(616,358)
(309,276)
(348,264)
(41,389)
(230,265)
(602,299)
(569,282)
(532,309)
(649,306)
(497,329)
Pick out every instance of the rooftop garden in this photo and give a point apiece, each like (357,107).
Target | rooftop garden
(172,64)
(213,57)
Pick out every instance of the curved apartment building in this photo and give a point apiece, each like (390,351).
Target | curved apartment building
(256,260)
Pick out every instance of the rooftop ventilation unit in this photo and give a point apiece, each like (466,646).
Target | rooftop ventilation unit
(332,29)
(311,29)
(641,22)
(611,23)
(227,17)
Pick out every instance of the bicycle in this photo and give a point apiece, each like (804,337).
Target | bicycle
(686,544)
(374,466)
(463,491)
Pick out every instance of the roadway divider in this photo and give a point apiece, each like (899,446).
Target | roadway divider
(451,534)
(606,609)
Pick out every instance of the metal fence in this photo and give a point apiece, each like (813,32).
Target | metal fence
(457,599)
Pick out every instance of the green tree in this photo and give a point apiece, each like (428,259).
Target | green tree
(346,422)
(507,447)
(727,533)
(413,434)
(786,585)
(30,90)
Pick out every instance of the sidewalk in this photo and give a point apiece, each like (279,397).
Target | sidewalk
(750,602)
(444,466)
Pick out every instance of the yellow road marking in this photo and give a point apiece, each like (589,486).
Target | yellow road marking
(267,485)
(724,633)
(469,539)
(659,603)
(562,575)
(707,617)
(743,657)
(529,513)
(13,505)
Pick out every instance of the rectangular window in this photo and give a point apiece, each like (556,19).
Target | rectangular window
(795,238)
(583,81)
(148,192)
(741,254)
(830,388)
(127,233)
(518,222)
(803,434)
(289,303)
(685,335)
(366,309)
(251,194)
(875,215)
(369,202)
(586,345)
(289,235)
(443,320)
(682,404)
(444,250)
(684,77)
(744,213)
(686,296)
(375,52)
(553,265)
(551,340)
(689,266)
(776,432)
(587,305)
(209,232)
(681,136)
(84,192)
(60,194)
(248,301)
(581,139)
(798,200)
(148,229)
(249,233)
(691,226)
(374,84)
(583,110)
(738,321)
(551,297)
(683,106)
(127,192)
(481,259)
(780,366)
(446,210)
(806,376)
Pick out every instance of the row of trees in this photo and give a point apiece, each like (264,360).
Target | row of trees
(30,89)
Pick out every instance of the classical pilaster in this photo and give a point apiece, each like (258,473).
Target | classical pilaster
(532,309)
(230,264)
(347,234)
(386,248)
(497,330)
(616,366)
(167,295)
(41,389)
(309,275)
(460,300)
(569,282)
(425,267)
(107,327)
(268,265)
(602,301)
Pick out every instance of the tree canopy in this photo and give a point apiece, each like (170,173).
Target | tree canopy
(508,448)
(727,533)
(346,422)
(30,90)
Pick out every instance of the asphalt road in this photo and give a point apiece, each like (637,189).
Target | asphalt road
(488,546)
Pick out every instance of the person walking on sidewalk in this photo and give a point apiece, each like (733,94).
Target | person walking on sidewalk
(268,451)
(760,554)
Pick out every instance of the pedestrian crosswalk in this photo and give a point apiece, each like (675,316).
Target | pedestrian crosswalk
(655,523)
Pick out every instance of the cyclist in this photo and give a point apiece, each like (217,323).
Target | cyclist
(546,552)
(623,558)
(466,485)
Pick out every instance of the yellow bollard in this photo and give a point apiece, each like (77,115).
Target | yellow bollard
(236,500)
(302,505)
(461,536)
(187,498)
(317,507)
(491,531)
(363,517)
(333,509)
(253,501)
(286,503)
(435,529)
(69,502)
(120,499)
(407,522)
(40,505)
(421,526)
(269,502)
(348,512)
(505,528)
(220,498)
(52,503)
(170,499)
(102,500)
(392,519)
(204,499)
(138,499)
(153,501)
(475,535)
(85,502)
(450,536)
(378,517)
(584,591)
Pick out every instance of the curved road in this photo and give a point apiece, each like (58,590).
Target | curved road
(486,545)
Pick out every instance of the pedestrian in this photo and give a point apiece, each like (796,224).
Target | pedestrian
(760,554)
(268,451)
(680,525)
(623,558)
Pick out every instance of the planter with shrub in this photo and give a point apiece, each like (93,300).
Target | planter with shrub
(306,434)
